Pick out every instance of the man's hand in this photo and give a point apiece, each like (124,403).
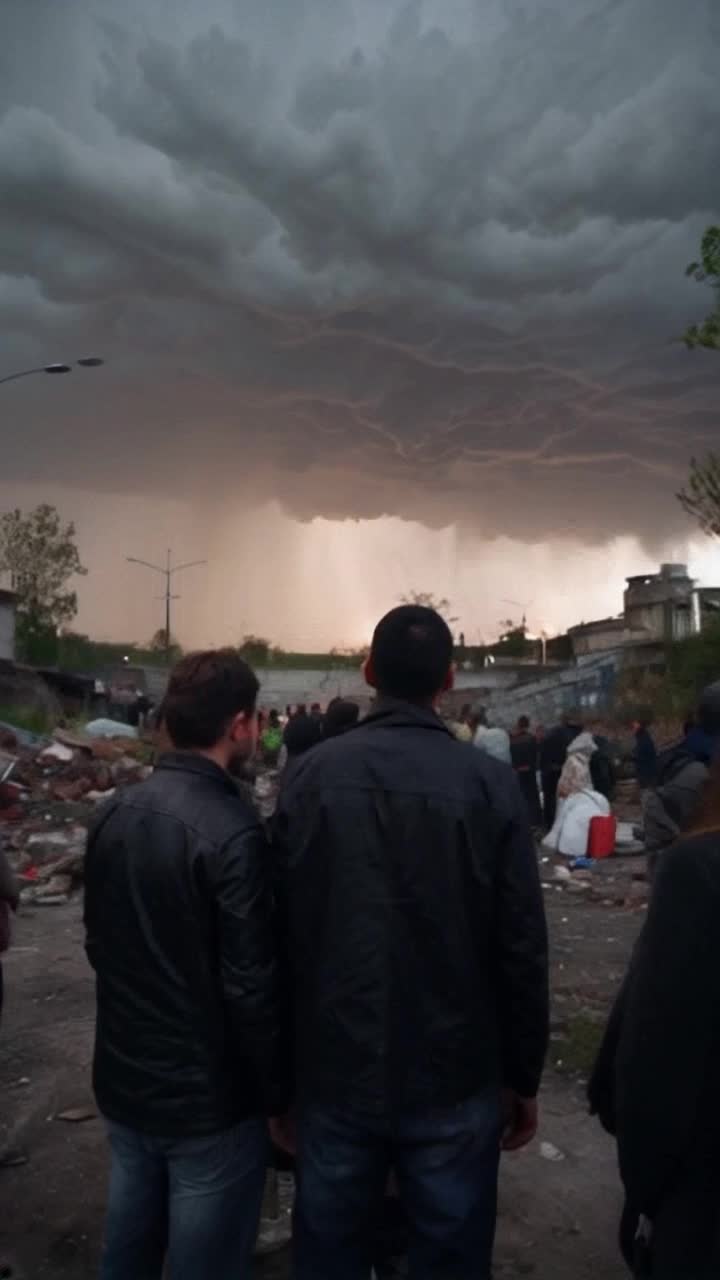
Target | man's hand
(521,1120)
(283,1132)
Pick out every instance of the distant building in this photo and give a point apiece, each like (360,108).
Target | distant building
(658,608)
(7,625)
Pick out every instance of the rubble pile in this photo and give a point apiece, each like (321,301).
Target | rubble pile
(621,881)
(48,792)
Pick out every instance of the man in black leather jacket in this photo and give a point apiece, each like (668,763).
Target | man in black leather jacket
(418,950)
(189,1046)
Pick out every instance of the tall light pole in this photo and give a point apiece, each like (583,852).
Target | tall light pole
(89,362)
(167,572)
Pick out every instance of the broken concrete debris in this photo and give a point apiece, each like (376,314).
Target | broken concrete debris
(48,792)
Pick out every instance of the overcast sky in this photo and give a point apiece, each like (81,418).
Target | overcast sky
(417,266)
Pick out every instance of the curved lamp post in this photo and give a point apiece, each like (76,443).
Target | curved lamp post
(90,362)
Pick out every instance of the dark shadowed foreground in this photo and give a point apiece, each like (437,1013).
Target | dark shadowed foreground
(559,1200)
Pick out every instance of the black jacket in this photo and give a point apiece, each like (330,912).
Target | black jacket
(524,752)
(416,921)
(646,758)
(180,933)
(671,808)
(655,1083)
(553,748)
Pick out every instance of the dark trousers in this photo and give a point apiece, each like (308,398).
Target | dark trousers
(446,1164)
(550,780)
(192,1204)
(527,779)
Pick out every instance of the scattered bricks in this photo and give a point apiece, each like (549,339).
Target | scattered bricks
(70,865)
(102,749)
(57,884)
(70,791)
(102,778)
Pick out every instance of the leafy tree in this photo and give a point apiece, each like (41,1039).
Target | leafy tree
(159,644)
(41,556)
(256,650)
(692,664)
(707,271)
(701,498)
(513,642)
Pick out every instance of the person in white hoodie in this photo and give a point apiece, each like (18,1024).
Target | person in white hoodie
(491,739)
(578,801)
(575,774)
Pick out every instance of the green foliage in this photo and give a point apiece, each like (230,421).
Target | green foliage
(80,653)
(513,642)
(701,498)
(692,664)
(33,719)
(255,650)
(41,556)
(159,646)
(579,1045)
(672,689)
(707,271)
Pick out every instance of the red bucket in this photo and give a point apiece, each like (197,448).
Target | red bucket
(601,837)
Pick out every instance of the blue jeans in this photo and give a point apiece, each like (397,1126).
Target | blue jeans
(193,1202)
(446,1163)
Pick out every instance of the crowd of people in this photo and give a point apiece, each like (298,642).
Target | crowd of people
(550,766)
(364,986)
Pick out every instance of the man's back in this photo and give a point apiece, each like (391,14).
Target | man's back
(176,916)
(671,806)
(416,920)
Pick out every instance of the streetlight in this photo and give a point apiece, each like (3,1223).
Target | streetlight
(167,573)
(89,362)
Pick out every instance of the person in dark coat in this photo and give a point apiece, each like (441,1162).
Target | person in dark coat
(301,735)
(341,715)
(553,753)
(524,755)
(190,1047)
(645,755)
(603,774)
(407,873)
(668,1064)
(654,1082)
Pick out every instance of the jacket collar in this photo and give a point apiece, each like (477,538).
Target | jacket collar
(190,762)
(395,713)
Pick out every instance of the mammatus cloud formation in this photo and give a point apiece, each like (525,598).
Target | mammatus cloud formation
(363,256)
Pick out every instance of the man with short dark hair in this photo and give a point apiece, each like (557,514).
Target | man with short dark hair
(189,1058)
(419,960)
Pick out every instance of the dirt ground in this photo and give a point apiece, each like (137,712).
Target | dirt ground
(558,1217)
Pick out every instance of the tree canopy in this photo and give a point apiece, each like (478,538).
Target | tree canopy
(701,498)
(256,650)
(41,556)
(707,271)
(160,644)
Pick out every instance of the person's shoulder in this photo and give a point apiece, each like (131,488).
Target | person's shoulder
(495,777)
(213,808)
(695,857)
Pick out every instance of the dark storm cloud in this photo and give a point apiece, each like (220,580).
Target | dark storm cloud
(411,258)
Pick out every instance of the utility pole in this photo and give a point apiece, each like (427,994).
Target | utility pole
(168,573)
